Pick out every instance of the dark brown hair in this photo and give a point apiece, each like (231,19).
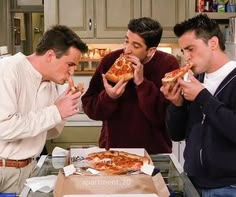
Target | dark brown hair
(60,38)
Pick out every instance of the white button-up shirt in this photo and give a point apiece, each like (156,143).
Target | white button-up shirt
(27,112)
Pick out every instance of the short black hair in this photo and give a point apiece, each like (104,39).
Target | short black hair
(60,38)
(203,27)
(148,29)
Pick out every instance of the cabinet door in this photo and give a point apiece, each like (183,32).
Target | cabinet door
(113,16)
(78,15)
(81,135)
(167,12)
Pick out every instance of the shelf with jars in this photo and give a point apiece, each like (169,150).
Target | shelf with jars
(215,9)
(90,60)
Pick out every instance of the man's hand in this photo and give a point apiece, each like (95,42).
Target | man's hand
(114,91)
(78,88)
(138,69)
(173,95)
(191,88)
(67,103)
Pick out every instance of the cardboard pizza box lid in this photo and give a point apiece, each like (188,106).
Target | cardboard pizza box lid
(75,151)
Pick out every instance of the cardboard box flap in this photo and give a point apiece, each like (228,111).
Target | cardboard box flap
(75,151)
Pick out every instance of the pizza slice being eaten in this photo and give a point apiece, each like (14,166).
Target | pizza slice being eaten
(73,88)
(121,69)
(171,77)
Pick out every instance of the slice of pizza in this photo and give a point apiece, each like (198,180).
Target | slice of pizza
(122,68)
(73,88)
(171,77)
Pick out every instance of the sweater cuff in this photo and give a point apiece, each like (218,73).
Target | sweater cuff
(141,85)
(107,98)
(203,97)
(175,108)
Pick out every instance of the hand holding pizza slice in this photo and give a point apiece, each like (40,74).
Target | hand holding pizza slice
(73,88)
(121,69)
(172,77)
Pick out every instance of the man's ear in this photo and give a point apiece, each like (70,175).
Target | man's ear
(214,43)
(151,51)
(50,54)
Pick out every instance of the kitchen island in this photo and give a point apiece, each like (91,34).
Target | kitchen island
(171,170)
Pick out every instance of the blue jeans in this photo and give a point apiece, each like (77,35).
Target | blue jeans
(228,191)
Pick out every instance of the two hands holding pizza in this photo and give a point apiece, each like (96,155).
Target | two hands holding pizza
(187,87)
(67,103)
(126,67)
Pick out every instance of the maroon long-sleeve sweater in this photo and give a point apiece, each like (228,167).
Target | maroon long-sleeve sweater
(137,118)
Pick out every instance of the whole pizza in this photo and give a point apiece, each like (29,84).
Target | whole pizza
(116,162)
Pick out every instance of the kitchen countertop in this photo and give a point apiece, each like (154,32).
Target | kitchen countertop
(81,119)
(171,170)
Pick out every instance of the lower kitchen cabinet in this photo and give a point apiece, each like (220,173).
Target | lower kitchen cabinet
(80,136)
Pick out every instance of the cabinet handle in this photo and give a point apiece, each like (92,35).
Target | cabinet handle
(90,24)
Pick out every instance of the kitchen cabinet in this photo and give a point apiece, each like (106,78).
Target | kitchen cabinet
(4,23)
(93,19)
(112,17)
(105,21)
(168,13)
(79,15)
(81,136)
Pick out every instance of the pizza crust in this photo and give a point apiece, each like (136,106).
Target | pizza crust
(171,77)
(114,78)
(73,88)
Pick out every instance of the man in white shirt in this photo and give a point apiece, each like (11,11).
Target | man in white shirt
(30,109)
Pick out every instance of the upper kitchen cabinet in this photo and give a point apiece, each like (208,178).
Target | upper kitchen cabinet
(112,17)
(167,12)
(77,14)
(95,21)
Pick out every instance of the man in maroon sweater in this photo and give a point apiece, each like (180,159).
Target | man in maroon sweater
(133,113)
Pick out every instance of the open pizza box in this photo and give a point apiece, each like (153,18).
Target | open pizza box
(130,185)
